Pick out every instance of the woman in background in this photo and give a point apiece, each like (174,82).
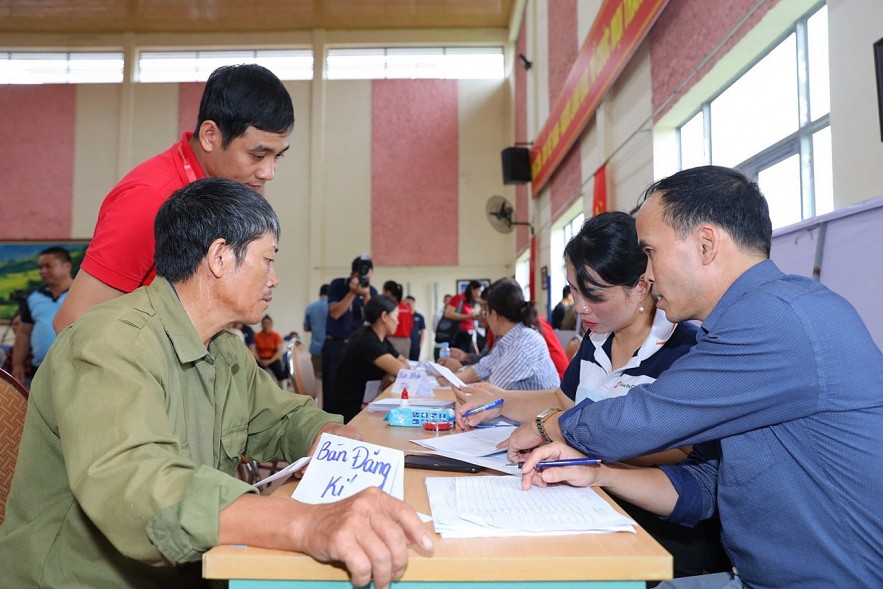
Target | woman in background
(368,357)
(519,358)
(465,307)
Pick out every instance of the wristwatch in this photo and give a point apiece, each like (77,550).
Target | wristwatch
(541,423)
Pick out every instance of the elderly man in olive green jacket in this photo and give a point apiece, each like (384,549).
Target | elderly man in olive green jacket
(141,410)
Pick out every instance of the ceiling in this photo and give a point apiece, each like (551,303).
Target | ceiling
(211,16)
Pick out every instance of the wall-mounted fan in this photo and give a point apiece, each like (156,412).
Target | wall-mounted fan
(499,214)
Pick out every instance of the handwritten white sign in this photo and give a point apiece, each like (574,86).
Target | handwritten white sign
(341,467)
(418,383)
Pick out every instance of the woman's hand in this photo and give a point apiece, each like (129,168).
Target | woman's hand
(474,396)
(577,476)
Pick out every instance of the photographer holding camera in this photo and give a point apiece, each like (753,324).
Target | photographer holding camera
(347,298)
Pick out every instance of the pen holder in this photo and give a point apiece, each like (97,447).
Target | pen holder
(417,416)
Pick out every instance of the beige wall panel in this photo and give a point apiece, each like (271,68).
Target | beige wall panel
(290,197)
(484,131)
(854,25)
(154,120)
(346,206)
(95,153)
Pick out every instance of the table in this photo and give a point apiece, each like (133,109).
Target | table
(600,561)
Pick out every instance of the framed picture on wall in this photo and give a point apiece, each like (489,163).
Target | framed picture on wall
(18,269)
(462,284)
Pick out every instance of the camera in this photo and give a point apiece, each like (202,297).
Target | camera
(365,266)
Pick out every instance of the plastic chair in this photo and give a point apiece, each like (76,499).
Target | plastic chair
(301,369)
(13,407)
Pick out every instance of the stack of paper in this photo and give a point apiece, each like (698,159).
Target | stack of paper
(477,446)
(384,405)
(474,507)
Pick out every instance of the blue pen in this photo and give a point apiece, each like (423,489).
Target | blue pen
(485,407)
(563,462)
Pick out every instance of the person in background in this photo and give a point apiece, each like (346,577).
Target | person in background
(562,307)
(464,307)
(629,342)
(780,398)
(270,347)
(315,316)
(142,409)
(369,357)
(35,332)
(347,298)
(436,318)
(519,358)
(418,331)
(401,339)
(243,128)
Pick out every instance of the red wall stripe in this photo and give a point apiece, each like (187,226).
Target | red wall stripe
(563,49)
(414,172)
(37,160)
(189,96)
(686,32)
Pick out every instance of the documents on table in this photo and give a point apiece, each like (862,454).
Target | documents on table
(285,472)
(447,375)
(341,467)
(384,405)
(477,446)
(481,506)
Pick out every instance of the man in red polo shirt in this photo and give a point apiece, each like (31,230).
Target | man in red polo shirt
(243,127)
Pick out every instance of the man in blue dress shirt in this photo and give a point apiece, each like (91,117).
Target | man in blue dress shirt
(782,397)
(315,317)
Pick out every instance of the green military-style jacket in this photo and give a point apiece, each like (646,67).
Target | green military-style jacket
(133,432)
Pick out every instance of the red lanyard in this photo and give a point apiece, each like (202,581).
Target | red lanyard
(188,169)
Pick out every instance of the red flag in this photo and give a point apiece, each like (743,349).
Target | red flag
(599,197)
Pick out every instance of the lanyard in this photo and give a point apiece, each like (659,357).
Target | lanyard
(188,169)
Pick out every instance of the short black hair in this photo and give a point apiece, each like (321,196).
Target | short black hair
(237,97)
(203,211)
(605,252)
(565,292)
(394,289)
(358,261)
(59,252)
(323,290)
(720,196)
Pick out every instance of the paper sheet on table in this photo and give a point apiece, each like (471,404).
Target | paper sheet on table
(341,467)
(285,472)
(475,442)
(477,446)
(447,375)
(472,507)
(372,389)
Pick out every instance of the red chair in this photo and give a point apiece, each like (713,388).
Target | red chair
(13,407)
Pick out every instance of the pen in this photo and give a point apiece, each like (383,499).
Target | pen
(564,462)
(485,407)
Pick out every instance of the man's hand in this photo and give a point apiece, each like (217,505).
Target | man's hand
(577,476)
(368,532)
(450,364)
(522,441)
(458,354)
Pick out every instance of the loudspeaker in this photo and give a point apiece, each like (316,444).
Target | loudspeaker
(516,165)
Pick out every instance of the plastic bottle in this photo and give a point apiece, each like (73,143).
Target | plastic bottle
(445,351)
(404,402)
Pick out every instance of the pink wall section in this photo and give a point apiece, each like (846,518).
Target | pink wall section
(563,49)
(37,161)
(414,183)
(687,31)
(189,96)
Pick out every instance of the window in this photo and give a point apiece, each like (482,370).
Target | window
(415,62)
(61,67)
(773,124)
(196,66)
(522,274)
(567,231)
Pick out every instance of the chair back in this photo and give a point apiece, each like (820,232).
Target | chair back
(301,365)
(13,406)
